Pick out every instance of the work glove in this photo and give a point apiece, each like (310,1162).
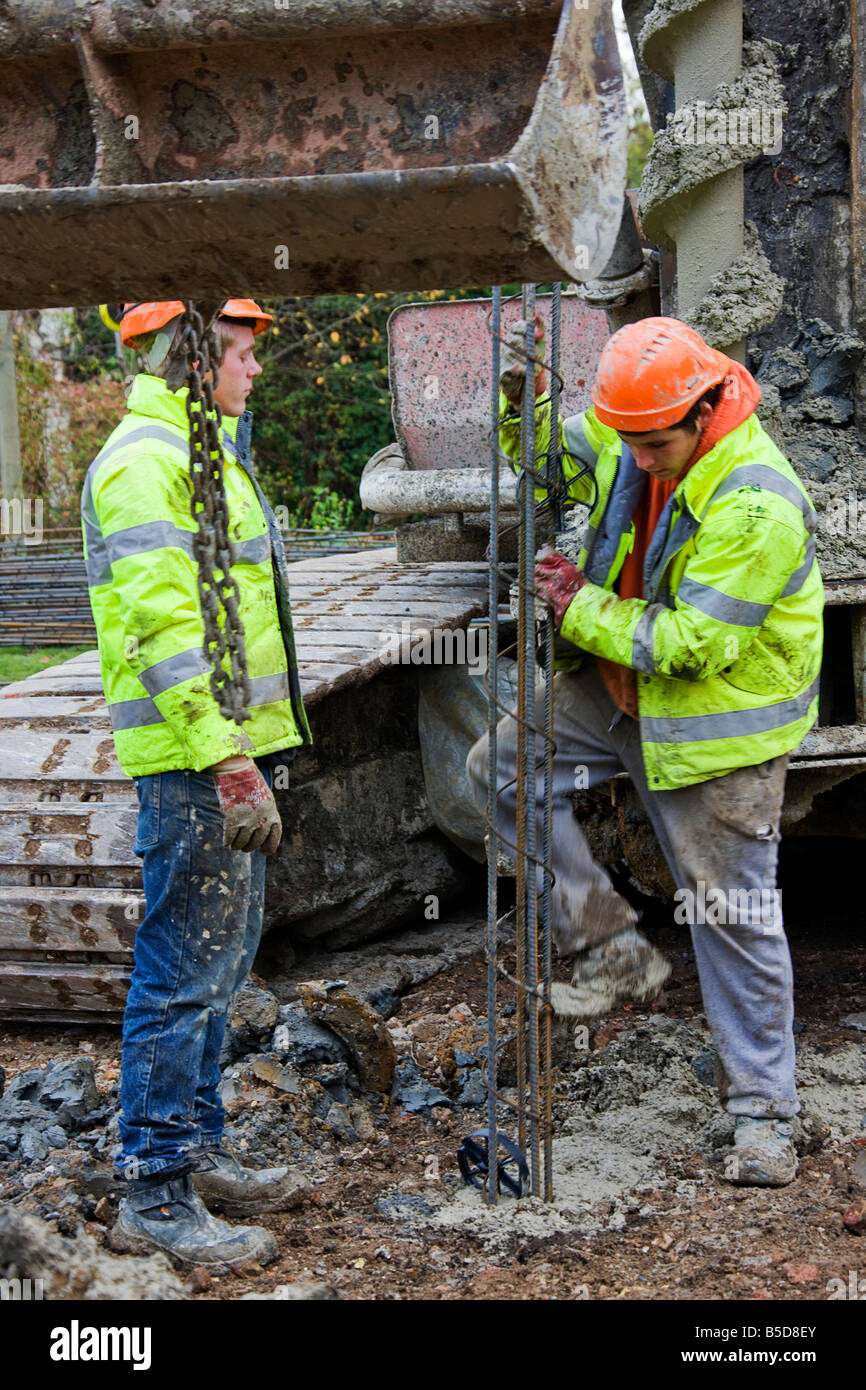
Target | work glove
(557,581)
(251,819)
(513,371)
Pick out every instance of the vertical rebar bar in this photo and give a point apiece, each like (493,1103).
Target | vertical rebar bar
(553,490)
(530,790)
(532,975)
(520,823)
(493,716)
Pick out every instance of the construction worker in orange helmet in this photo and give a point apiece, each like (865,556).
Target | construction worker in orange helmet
(692,627)
(151,328)
(207,815)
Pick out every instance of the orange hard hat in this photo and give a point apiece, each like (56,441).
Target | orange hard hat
(138,319)
(651,372)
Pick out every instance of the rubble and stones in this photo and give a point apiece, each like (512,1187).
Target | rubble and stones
(42,1108)
(77,1268)
(639,1140)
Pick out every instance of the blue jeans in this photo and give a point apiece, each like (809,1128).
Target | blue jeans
(194,948)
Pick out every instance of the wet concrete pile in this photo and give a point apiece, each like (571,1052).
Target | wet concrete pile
(638,1130)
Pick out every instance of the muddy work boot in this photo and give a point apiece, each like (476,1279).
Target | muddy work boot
(763,1154)
(221,1181)
(625,966)
(170,1216)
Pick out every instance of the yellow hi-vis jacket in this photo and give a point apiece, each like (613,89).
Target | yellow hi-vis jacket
(142,577)
(727,642)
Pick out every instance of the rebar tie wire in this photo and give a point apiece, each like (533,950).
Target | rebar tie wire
(532,985)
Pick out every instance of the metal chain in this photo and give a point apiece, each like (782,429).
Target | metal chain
(211,543)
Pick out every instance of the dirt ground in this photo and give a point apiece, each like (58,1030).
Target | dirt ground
(640,1212)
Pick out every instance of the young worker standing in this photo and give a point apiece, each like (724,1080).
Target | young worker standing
(207,816)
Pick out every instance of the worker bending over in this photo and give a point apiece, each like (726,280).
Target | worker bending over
(695,617)
(207,816)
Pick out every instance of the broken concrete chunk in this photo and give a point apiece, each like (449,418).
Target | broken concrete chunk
(42,1106)
(360,1027)
(474,1091)
(303,1290)
(302,1042)
(339,1121)
(69,1088)
(275,1074)
(255,1014)
(784,368)
(412,1093)
(75,1267)
(32,1147)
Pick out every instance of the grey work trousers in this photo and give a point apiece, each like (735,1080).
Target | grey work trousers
(720,835)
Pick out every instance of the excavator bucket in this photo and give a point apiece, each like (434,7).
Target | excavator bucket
(154,150)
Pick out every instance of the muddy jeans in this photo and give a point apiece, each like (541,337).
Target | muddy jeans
(720,839)
(193,949)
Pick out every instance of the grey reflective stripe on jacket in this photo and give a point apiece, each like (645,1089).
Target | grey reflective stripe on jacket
(761,475)
(104,551)
(98,556)
(133,714)
(716,604)
(690,728)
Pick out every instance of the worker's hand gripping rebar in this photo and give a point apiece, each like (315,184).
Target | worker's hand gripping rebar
(212,545)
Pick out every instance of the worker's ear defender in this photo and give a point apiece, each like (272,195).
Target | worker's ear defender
(111,314)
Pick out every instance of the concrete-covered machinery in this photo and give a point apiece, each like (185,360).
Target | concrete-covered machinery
(302,148)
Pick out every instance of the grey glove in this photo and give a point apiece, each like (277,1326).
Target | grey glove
(513,362)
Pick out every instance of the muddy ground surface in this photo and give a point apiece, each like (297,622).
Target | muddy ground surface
(641,1210)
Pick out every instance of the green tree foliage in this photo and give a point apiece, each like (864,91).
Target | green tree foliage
(640,140)
(64,419)
(322,403)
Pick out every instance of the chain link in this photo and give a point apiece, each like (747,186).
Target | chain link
(212,545)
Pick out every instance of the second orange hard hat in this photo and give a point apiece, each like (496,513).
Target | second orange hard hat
(138,319)
(651,372)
